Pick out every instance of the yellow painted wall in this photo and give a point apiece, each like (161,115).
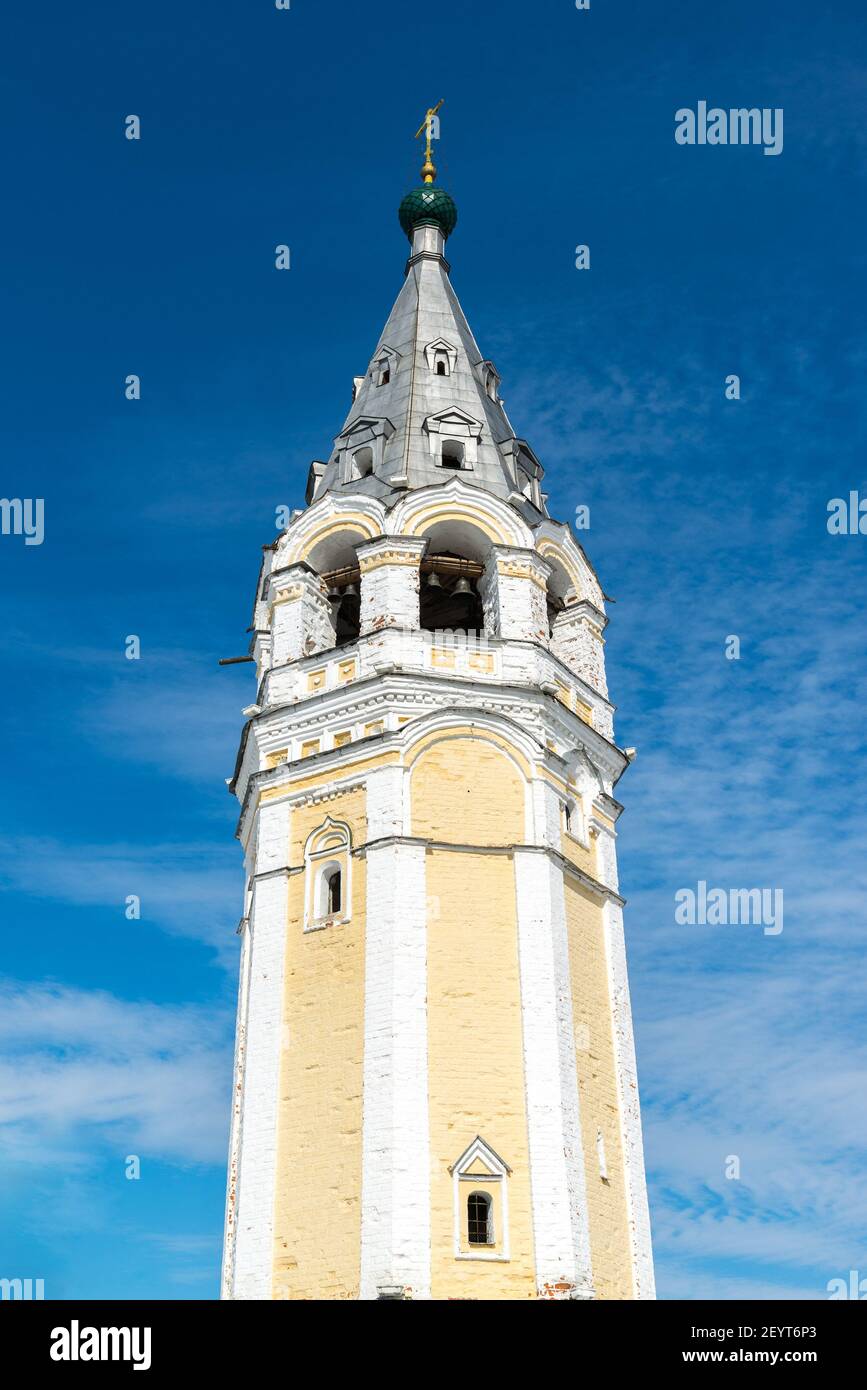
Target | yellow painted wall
(317,1213)
(579,855)
(466,789)
(609,1233)
(475,1049)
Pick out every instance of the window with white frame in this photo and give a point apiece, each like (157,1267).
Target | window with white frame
(328,890)
(327,870)
(480,1181)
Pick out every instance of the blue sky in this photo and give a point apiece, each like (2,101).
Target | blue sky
(708,518)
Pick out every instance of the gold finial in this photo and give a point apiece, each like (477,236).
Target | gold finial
(428,169)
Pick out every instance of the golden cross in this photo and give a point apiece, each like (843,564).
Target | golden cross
(428,171)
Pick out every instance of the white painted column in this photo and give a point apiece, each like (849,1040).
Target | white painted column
(395,1191)
(638,1213)
(630,1117)
(301,617)
(577,640)
(514,593)
(390,582)
(227,1277)
(557,1175)
(257,1149)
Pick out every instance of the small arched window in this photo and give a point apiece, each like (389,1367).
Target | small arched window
(333,886)
(328,876)
(452,454)
(385,376)
(328,896)
(480,1223)
(574,820)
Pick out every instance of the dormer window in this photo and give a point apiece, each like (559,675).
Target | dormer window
(382,366)
(441,357)
(454,438)
(491,379)
(360,448)
(526,471)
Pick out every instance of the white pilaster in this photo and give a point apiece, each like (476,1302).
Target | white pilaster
(557,1175)
(227,1277)
(577,640)
(301,622)
(520,576)
(257,1145)
(630,1116)
(390,582)
(395,1193)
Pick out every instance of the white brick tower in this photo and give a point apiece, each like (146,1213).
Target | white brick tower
(435,1087)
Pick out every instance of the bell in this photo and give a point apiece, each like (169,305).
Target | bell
(434,581)
(334,595)
(350,591)
(463,586)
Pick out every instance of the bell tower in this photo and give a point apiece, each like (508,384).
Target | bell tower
(435,1090)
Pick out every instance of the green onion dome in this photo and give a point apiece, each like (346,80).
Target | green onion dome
(428,206)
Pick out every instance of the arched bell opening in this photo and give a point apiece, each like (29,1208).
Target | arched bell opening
(450,589)
(335,560)
(449,598)
(559,592)
(346,612)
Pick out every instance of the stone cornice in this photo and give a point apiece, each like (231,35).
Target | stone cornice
(360,851)
(391,550)
(438,693)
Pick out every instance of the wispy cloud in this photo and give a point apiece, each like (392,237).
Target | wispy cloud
(189,890)
(84,1072)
